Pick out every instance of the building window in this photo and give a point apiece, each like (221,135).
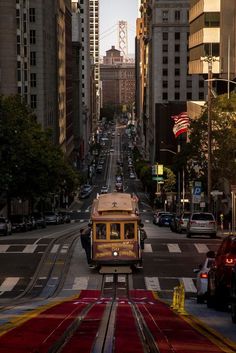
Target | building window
(32,58)
(164,84)
(177,60)
(177,96)
(189,95)
(33,101)
(164,16)
(201,83)
(32,14)
(177,47)
(32,36)
(165,60)
(165,48)
(165,72)
(165,35)
(177,84)
(177,35)
(33,82)
(177,15)
(164,96)
(177,72)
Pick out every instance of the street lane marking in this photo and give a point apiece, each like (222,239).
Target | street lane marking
(80,283)
(30,249)
(201,248)
(174,248)
(55,249)
(9,284)
(152,283)
(188,285)
(147,248)
(3,248)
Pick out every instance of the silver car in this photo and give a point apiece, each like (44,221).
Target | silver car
(202,223)
(5,226)
(202,276)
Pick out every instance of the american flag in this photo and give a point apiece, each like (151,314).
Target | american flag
(181,123)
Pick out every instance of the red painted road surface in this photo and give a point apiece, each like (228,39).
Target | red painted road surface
(171,332)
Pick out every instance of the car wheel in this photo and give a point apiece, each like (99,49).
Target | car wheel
(188,235)
(210,301)
(213,236)
(6,232)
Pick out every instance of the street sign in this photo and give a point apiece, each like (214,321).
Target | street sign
(157,178)
(197,190)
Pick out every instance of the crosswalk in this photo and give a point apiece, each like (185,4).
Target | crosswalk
(158,284)
(200,248)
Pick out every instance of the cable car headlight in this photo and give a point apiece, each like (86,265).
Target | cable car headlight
(115,253)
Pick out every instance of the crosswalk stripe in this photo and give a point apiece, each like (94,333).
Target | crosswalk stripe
(189,285)
(201,248)
(9,283)
(29,249)
(3,248)
(55,249)
(80,283)
(152,283)
(173,248)
(147,248)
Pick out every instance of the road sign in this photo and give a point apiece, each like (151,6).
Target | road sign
(197,190)
(157,178)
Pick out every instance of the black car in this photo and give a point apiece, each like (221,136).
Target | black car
(39,220)
(66,216)
(19,223)
(220,274)
(233,295)
(165,219)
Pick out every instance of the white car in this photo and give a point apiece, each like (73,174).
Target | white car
(132,176)
(202,223)
(104,190)
(202,276)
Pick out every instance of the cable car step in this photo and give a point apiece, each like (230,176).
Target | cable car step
(115,269)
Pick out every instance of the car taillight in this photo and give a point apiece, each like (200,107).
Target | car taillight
(212,222)
(193,222)
(181,221)
(230,261)
(204,275)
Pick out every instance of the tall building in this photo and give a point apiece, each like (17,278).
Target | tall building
(94,52)
(35,61)
(118,80)
(171,85)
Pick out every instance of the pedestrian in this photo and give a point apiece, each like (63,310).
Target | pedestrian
(86,243)
(143,236)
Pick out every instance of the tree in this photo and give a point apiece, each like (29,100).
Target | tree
(31,165)
(223,142)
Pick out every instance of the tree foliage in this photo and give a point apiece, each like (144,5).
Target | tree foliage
(31,165)
(223,142)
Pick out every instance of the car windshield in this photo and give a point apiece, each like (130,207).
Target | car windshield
(202,217)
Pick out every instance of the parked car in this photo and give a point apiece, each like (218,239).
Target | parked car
(233,294)
(165,219)
(66,216)
(219,275)
(5,226)
(202,276)
(85,191)
(51,217)
(132,175)
(202,223)
(156,216)
(99,168)
(39,220)
(19,223)
(174,223)
(183,221)
(104,189)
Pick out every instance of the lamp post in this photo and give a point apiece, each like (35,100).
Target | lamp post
(209,59)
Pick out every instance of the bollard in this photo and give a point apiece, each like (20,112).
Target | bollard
(175,299)
(181,309)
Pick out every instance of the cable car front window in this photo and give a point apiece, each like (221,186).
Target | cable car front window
(115,231)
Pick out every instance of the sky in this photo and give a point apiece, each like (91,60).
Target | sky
(111,12)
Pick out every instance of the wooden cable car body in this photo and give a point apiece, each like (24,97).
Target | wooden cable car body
(115,230)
